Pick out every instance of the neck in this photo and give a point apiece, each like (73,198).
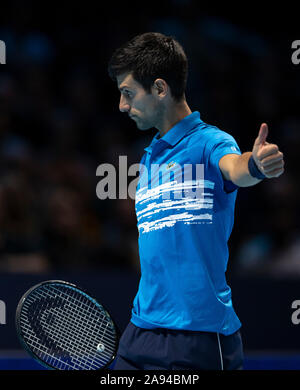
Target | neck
(173,114)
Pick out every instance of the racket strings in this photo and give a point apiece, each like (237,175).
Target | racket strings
(73,329)
(77,356)
(87,308)
(63,324)
(83,312)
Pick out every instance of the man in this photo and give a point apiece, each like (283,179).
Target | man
(182,315)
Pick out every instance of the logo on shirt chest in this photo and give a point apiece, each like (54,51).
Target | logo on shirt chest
(171,165)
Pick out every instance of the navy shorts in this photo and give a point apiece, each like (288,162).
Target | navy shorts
(166,349)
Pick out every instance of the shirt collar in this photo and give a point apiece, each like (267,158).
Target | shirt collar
(178,131)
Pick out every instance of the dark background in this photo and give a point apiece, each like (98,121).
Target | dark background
(59,120)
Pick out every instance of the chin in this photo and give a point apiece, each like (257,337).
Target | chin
(143,126)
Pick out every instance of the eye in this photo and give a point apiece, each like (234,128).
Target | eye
(128,94)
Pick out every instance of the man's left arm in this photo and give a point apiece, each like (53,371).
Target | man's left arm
(250,168)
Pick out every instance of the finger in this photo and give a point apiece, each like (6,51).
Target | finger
(275,173)
(273,167)
(267,150)
(271,159)
(262,135)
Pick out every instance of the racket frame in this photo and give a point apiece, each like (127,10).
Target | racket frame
(68,284)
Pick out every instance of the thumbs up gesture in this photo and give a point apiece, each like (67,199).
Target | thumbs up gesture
(267,157)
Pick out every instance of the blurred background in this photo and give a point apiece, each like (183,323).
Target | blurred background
(59,120)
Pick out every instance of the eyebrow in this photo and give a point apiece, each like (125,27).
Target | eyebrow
(123,87)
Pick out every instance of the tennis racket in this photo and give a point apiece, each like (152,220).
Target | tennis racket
(64,328)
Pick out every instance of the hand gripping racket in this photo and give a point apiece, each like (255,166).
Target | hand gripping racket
(64,328)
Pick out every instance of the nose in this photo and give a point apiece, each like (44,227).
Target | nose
(123,105)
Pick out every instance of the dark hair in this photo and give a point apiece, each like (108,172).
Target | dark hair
(150,56)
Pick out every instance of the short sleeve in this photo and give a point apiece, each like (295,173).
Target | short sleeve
(223,144)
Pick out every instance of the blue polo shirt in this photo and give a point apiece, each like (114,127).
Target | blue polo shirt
(185,215)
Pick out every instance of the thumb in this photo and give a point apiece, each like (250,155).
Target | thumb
(262,135)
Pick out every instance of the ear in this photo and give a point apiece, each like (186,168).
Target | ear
(160,87)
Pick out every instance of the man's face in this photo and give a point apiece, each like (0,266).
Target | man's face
(144,108)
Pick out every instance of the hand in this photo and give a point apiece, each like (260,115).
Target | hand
(267,157)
